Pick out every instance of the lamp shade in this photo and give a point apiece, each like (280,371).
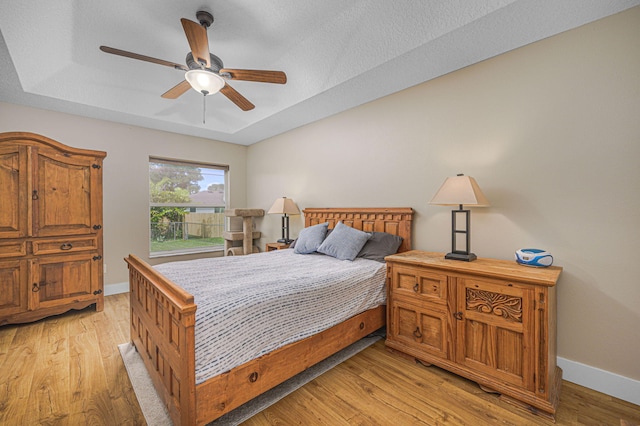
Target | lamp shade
(460,190)
(205,82)
(284,205)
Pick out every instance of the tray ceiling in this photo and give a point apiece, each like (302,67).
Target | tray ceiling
(336,54)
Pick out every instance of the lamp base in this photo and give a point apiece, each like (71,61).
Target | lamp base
(285,241)
(466,257)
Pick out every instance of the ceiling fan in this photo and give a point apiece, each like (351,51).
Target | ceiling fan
(204,71)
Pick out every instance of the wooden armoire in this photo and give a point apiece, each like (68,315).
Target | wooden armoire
(50,228)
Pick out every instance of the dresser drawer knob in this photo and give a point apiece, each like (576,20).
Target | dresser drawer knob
(458,316)
(417,333)
(253,377)
(416,287)
(66,246)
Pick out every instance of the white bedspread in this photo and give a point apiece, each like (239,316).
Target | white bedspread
(251,305)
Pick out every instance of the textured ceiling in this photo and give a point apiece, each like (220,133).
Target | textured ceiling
(337,54)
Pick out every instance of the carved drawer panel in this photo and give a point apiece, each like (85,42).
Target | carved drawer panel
(494,302)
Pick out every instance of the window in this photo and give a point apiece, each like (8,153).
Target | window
(186,207)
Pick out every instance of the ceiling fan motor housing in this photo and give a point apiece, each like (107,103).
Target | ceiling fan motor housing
(216,63)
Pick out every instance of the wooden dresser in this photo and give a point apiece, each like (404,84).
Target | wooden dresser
(491,321)
(50,228)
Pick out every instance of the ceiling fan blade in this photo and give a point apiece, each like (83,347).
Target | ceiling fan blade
(198,41)
(261,76)
(131,55)
(177,90)
(235,97)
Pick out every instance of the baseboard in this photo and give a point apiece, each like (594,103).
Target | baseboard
(600,380)
(117,288)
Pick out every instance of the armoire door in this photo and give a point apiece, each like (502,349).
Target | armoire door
(62,199)
(57,280)
(14,205)
(13,297)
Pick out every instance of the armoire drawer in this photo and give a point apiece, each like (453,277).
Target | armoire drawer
(64,245)
(13,248)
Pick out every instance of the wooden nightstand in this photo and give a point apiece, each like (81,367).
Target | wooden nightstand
(491,321)
(276,246)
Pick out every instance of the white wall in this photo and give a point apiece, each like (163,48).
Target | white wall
(550,131)
(126,172)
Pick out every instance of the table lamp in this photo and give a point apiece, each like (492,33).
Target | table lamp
(284,206)
(460,190)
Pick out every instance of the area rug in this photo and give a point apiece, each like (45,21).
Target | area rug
(156,414)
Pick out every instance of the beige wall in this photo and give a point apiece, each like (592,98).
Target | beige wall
(126,176)
(551,132)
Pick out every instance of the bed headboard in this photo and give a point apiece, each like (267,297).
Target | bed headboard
(393,220)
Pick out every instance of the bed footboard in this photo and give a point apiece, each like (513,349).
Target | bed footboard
(162,330)
(223,393)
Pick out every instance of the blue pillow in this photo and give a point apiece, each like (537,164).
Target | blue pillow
(344,243)
(310,238)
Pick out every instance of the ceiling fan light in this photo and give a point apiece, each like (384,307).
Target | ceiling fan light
(205,82)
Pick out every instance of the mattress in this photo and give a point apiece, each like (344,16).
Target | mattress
(248,306)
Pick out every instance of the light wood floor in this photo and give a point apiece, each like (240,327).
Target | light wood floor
(67,370)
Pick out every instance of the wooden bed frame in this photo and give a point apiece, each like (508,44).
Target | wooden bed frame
(163,320)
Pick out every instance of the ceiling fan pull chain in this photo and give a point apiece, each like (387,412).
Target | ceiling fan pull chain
(204,106)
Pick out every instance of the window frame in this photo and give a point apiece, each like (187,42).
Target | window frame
(199,165)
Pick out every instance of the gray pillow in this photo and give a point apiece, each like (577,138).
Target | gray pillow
(344,243)
(380,244)
(310,238)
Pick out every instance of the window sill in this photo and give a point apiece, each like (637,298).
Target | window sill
(173,253)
